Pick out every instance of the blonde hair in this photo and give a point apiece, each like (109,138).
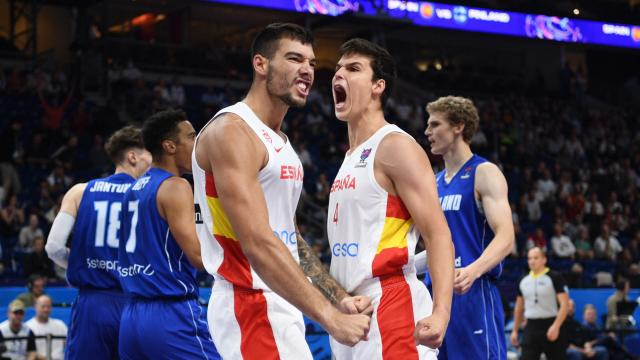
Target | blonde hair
(458,110)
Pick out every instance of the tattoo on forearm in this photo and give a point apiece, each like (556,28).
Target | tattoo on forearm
(320,278)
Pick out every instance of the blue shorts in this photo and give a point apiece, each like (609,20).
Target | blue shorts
(165,329)
(95,323)
(476,328)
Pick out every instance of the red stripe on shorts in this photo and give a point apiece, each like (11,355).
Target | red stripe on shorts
(395,319)
(257,340)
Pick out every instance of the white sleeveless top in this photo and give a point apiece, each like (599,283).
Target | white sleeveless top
(281,181)
(371,233)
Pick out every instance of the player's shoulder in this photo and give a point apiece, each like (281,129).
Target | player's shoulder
(398,143)
(175,183)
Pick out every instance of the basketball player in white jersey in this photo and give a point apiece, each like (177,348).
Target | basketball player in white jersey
(247,180)
(383,197)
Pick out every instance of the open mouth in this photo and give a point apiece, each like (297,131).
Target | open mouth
(303,86)
(339,95)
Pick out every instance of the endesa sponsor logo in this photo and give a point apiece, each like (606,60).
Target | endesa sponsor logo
(345,183)
(288,172)
(287,237)
(345,249)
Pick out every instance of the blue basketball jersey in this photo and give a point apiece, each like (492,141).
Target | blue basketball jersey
(93,259)
(470,230)
(152,265)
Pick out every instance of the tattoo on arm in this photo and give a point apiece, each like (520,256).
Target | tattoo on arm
(320,278)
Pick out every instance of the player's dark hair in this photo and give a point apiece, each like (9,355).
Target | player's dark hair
(159,127)
(382,63)
(121,141)
(267,40)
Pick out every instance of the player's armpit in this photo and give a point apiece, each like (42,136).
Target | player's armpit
(175,203)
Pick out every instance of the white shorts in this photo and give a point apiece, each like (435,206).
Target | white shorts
(399,301)
(255,324)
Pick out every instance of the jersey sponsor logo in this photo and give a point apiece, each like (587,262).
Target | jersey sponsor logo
(102,264)
(288,172)
(467,172)
(136,269)
(287,237)
(450,202)
(141,183)
(198,214)
(112,265)
(345,183)
(363,158)
(344,249)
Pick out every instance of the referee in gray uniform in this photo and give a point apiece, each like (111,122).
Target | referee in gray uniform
(543,300)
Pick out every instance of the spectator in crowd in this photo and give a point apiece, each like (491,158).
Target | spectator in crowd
(537,239)
(37,262)
(42,324)
(582,341)
(30,232)
(606,245)
(561,244)
(621,294)
(583,244)
(35,287)
(24,349)
(58,180)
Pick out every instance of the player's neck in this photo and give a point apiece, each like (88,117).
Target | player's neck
(459,154)
(125,170)
(362,127)
(268,109)
(168,166)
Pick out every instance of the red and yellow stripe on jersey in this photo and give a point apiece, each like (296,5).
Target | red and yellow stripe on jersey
(235,266)
(392,253)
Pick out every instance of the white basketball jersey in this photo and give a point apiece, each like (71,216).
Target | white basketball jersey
(371,233)
(281,181)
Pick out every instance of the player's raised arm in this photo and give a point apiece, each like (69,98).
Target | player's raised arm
(413,181)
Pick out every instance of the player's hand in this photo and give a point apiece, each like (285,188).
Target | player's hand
(463,280)
(514,338)
(356,305)
(553,333)
(349,329)
(430,330)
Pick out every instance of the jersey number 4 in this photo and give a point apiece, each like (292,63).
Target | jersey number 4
(108,230)
(335,214)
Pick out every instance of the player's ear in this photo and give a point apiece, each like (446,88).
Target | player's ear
(260,64)
(169,146)
(378,87)
(458,128)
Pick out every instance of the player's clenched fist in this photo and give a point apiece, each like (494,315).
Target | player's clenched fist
(430,330)
(356,305)
(349,329)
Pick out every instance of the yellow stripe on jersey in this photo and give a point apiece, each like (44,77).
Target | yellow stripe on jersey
(221,225)
(394,234)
